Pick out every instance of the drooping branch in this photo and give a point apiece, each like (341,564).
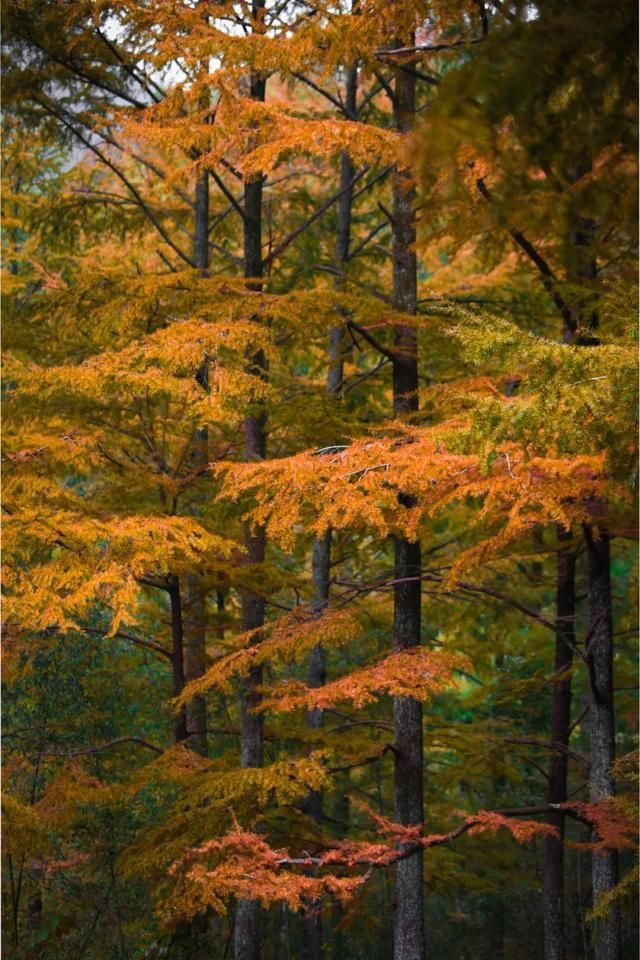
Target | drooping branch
(385,351)
(549,279)
(146,83)
(121,176)
(326,94)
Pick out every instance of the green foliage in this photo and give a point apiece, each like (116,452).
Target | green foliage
(129,377)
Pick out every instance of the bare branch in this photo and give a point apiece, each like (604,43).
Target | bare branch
(147,644)
(319,212)
(106,746)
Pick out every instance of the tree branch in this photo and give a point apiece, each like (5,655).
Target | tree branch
(319,212)
(435,48)
(325,93)
(385,351)
(107,746)
(147,644)
(356,250)
(230,197)
(112,166)
(549,278)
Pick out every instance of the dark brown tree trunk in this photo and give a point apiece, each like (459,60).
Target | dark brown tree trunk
(247,918)
(553,895)
(408,921)
(201,234)
(316,677)
(195,606)
(599,646)
(195,661)
(177,656)
(599,652)
(497,925)
(321,551)
(578,321)
(253,605)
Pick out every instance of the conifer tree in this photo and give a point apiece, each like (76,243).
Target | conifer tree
(408,937)
(208,638)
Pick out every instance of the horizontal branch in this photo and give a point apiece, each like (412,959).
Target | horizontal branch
(106,746)
(405,850)
(426,48)
(147,644)
(553,745)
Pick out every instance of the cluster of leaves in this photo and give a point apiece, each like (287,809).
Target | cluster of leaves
(130,371)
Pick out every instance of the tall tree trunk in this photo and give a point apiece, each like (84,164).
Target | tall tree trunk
(599,648)
(497,918)
(195,606)
(553,895)
(604,866)
(321,551)
(247,919)
(316,677)
(201,233)
(177,656)
(578,324)
(408,927)
(195,661)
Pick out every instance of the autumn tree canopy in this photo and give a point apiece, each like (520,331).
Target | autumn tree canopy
(320,480)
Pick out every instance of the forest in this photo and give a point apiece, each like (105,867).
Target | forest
(319,506)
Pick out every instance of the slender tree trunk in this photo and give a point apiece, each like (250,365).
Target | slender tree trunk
(341,812)
(553,896)
(497,925)
(599,648)
(321,551)
(582,314)
(195,606)
(195,661)
(317,674)
(247,920)
(201,233)
(177,656)
(408,932)
(255,448)
(599,651)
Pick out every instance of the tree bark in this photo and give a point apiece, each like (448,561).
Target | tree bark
(321,551)
(599,651)
(553,893)
(408,921)
(578,321)
(253,605)
(247,920)
(195,661)
(195,607)
(599,646)
(177,656)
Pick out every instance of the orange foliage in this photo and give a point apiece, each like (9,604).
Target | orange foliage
(416,672)
(243,865)
(614,822)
